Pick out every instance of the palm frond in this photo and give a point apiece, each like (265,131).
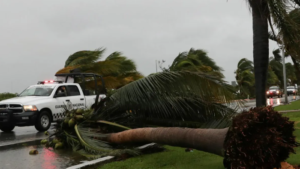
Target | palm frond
(273,37)
(113,124)
(84,57)
(185,96)
(114,55)
(67,69)
(90,145)
(296,2)
(288,28)
(202,55)
(94,147)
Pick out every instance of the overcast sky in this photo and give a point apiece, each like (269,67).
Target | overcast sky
(36,37)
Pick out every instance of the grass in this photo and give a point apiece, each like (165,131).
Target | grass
(293,106)
(295,116)
(177,158)
(173,157)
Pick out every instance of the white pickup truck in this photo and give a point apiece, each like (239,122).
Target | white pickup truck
(41,104)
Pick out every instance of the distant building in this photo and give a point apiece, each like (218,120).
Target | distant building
(233,83)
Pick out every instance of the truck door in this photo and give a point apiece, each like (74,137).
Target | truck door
(76,98)
(60,103)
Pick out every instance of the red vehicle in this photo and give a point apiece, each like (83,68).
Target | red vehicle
(274,91)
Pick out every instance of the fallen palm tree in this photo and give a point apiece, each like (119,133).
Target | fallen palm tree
(259,138)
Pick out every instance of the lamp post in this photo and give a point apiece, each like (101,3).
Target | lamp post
(284,77)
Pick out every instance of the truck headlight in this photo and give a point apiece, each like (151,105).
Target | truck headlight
(277,91)
(30,108)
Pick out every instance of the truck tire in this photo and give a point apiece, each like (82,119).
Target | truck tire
(43,121)
(7,128)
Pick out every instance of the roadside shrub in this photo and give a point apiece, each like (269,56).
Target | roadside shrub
(4,96)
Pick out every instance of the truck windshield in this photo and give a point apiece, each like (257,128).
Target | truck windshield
(291,87)
(37,91)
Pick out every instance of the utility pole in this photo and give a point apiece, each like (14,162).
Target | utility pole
(284,77)
(156,65)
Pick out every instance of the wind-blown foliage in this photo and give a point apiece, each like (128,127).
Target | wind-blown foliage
(245,77)
(116,69)
(291,49)
(180,97)
(196,60)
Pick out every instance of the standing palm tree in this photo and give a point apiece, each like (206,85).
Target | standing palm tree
(292,49)
(276,66)
(272,78)
(262,12)
(245,77)
(196,60)
(116,69)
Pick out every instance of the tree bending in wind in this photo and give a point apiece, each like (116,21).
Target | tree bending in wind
(116,69)
(196,60)
(274,12)
(292,49)
(245,77)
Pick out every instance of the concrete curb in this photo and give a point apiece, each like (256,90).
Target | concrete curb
(99,160)
(288,111)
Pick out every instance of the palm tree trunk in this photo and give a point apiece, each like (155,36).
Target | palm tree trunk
(209,140)
(260,48)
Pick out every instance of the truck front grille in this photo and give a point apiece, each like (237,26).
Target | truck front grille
(15,108)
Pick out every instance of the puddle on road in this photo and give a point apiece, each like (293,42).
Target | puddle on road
(18,157)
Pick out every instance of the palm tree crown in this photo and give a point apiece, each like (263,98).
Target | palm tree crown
(196,60)
(116,69)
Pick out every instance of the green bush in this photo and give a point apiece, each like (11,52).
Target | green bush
(4,96)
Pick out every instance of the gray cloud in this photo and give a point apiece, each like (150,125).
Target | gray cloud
(38,36)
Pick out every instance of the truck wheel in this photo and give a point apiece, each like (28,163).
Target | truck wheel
(43,121)
(7,128)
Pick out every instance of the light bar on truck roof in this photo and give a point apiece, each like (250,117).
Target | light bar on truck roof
(49,82)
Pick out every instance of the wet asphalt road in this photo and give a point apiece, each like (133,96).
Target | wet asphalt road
(15,157)
(22,134)
(15,146)
(275,101)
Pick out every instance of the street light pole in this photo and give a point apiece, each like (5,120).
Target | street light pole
(284,77)
(156,65)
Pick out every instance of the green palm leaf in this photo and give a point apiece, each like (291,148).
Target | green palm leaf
(184,96)
(84,57)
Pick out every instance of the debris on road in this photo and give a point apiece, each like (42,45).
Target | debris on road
(33,152)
